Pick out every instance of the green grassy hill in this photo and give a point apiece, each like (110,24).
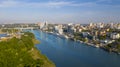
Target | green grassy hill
(22,53)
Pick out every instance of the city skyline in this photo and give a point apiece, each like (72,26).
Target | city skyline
(59,11)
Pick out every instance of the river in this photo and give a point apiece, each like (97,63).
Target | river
(67,53)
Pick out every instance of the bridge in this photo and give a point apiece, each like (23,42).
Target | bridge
(21,29)
(27,28)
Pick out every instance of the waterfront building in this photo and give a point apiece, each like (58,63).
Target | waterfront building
(58,29)
(71,29)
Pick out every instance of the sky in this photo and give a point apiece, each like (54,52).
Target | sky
(59,11)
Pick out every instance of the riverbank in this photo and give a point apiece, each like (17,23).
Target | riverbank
(37,55)
(65,36)
(87,43)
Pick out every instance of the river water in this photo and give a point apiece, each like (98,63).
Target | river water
(67,53)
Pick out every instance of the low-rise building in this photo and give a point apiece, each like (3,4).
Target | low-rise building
(115,36)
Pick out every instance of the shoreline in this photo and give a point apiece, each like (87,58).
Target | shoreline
(86,43)
(36,54)
(63,36)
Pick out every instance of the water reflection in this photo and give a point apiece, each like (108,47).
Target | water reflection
(67,53)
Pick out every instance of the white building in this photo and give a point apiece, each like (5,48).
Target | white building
(58,29)
(85,34)
(100,25)
(111,25)
(43,25)
(80,30)
(71,29)
(118,26)
(91,24)
(115,36)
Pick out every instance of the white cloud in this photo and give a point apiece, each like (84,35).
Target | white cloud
(53,4)
(8,3)
(15,3)
(49,4)
(103,0)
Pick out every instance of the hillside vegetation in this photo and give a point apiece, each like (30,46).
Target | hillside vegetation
(22,53)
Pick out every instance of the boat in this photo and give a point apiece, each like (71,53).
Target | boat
(66,36)
(97,46)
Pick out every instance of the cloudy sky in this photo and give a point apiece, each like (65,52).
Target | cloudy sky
(59,11)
